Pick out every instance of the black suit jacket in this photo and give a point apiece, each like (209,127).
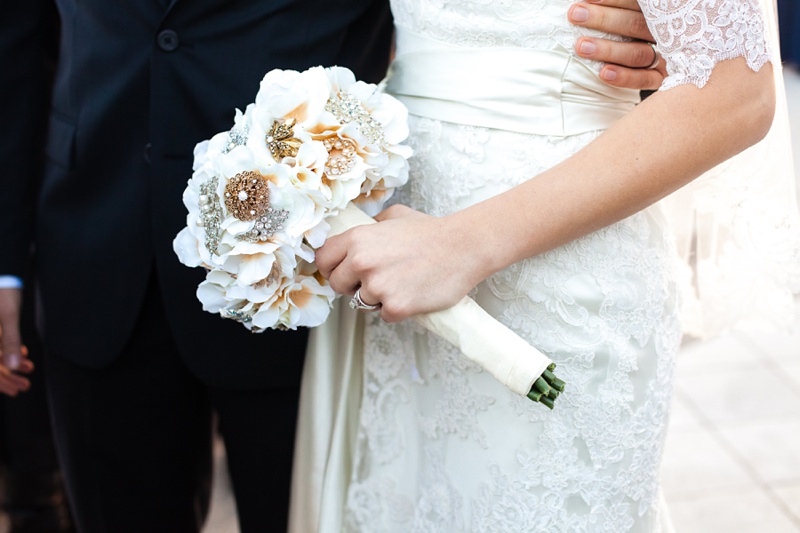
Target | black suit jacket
(138,83)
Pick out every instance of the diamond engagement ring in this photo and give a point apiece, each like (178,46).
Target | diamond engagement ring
(656,57)
(357,303)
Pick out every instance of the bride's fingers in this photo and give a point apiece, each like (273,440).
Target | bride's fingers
(344,262)
(330,255)
(367,296)
(614,20)
(343,279)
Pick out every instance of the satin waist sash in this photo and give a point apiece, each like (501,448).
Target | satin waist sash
(515,89)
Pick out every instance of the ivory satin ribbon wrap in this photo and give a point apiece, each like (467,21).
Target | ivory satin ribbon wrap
(542,92)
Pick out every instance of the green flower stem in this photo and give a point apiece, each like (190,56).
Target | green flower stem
(542,386)
(547,387)
(548,402)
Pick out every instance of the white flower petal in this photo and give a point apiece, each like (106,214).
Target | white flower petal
(254,268)
(186,247)
(212,296)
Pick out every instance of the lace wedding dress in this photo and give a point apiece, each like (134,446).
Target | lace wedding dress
(419,439)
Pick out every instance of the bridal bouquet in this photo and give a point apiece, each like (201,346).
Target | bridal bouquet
(316,154)
(261,194)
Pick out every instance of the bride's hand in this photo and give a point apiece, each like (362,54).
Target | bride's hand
(626,62)
(409,262)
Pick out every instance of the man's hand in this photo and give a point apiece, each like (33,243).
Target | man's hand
(627,62)
(13,355)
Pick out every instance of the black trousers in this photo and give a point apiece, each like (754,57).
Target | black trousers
(789,29)
(34,497)
(135,439)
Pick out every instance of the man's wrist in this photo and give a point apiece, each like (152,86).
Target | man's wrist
(10,282)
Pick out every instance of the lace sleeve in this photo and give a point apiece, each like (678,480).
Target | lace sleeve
(695,35)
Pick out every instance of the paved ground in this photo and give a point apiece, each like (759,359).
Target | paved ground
(732,462)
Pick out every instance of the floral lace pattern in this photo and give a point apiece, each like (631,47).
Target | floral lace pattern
(695,35)
(441,445)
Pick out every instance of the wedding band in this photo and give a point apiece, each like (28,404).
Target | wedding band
(656,58)
(357,303)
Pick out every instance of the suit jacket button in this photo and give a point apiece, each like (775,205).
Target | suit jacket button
(168,40)
(146,152)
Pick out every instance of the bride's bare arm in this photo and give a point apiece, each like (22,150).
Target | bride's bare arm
(414,263)
(667,141)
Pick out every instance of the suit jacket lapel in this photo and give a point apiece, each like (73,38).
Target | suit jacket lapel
(168,4)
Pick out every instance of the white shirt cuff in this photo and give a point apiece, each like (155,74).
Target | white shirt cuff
(10,282)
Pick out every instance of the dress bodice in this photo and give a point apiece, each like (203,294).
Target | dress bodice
(692,35)
(535,24)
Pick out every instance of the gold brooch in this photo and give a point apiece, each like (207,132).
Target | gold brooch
(247,195)
(341,156)
(280,141)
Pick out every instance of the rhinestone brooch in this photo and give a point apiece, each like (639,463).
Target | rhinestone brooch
(280,141)
(236,137)
(347,108)
(210,213)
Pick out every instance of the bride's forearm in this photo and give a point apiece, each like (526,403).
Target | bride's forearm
(667,141)
(413,263)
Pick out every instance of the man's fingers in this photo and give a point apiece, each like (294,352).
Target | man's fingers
(10,340)
(626,62)
(14,355)
(632,78)
(23,366)
(11,344)
(10,383)
(632,5)
(614,20)
(7,389)
(629,54)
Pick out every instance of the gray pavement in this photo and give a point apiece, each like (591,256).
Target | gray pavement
(732,461)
